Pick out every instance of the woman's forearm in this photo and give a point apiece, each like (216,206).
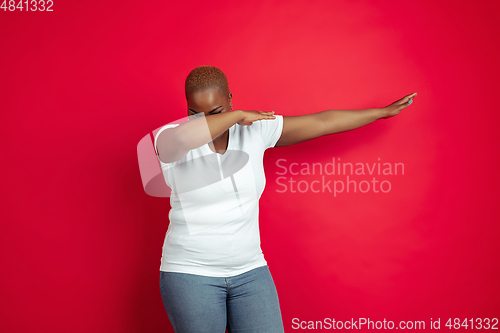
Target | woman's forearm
(194,133)
(336,121)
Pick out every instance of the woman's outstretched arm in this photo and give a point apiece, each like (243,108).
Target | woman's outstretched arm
(310,126)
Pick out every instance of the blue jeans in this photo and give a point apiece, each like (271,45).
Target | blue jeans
(244,303)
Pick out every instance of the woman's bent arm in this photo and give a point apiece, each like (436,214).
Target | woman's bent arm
(174,143)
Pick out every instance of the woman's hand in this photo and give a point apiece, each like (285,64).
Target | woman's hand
(250,116)
(393,109)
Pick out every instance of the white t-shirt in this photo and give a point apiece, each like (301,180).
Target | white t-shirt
(214,219)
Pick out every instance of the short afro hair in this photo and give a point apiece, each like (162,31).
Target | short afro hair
(203,77)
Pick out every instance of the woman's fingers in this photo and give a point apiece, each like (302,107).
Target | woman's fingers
(266,114)
(254,115)
(396,107)
(410,97)
(406,100)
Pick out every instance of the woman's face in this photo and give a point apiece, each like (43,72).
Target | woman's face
(208,101)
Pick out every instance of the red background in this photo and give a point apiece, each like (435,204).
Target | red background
(80,86)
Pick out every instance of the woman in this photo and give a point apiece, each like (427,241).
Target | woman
(213,274)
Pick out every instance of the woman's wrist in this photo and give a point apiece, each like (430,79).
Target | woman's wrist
(382,113)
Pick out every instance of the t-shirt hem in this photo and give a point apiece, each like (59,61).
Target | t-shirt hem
(204,272)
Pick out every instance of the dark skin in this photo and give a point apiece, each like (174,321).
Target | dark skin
(211,101)
(173,144)
(296,129)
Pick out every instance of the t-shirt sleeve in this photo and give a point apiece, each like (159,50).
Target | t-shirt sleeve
(156,138)
(269,129)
